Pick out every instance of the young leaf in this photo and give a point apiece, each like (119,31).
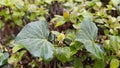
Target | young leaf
(16,57)
(59,23)
(114,63)
(13,59)
(61,37)
(66,14)
(34,38)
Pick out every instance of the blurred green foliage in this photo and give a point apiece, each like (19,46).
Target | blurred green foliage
(65,21)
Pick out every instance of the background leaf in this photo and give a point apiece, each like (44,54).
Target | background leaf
(63,54)
(114,63)
(115,2)
(3,58)
(99,64)
(78,63)
(17,47)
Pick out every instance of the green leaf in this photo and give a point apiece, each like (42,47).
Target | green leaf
(114,63)
(3,58)
(88,66)
(118,18)
(87,36)
(7,2)
(115,43)
(16,57)
(1,24)
(75,46)
(94,48)
(59,23)
(88,30)
(59,20)
(63,54)
(21,54)
(66,14)
(19,4)
(17,47)
(13,59)
(115,2)
(32,7)
(19,22)
(34,38)
(99,21)
(99,64)
(60,37)
(78,63)
(48,1)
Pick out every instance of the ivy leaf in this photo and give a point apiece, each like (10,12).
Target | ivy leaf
(87,36)
(34,38)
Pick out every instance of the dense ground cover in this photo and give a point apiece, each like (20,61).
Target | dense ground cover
(59,33)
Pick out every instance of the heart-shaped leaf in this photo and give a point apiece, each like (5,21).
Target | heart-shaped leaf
(87,36)
(88,30)
(34,38)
